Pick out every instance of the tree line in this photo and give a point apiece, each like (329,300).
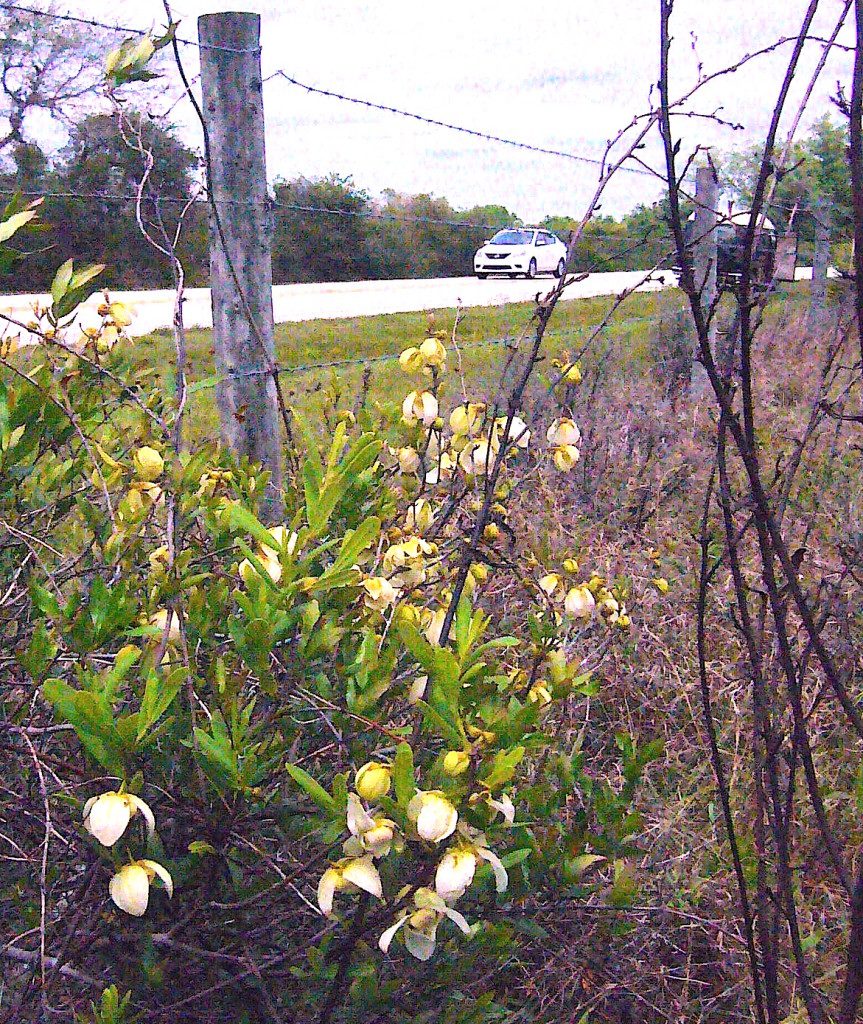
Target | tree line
(329,229)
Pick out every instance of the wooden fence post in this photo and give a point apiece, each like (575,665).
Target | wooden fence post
(818,292)
(241,273)
(704,261)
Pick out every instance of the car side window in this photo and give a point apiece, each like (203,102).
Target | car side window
(546,239)
(541,239)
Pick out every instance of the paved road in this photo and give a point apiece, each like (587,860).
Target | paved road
(297,302)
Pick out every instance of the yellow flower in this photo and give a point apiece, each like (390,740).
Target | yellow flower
(570,565)
(421,924)
(467,419)
(130,886)
(550,584)
(404,563)
(373,780)
(444,468)
(518,435)
(417,689)
(120,314)
(565,457)
(107,816)
(142,494)
(661,584)
(572,374)
(458,866)
(213,480)
(411,360)
(8,346)
(270,556)
(479,572)
(579,603)
(172,625)
(435,627)
(502,805)
(368,834)
(380,594)
(433,353)
(491,533)
(419,516)
(271,565)
(409,460)
(434,816)
(420,406)
(456,762)
(563,432)
(477,458)
(540,694)
(609,608)
(409,613)
(107,339)
(148,463)
(351,875)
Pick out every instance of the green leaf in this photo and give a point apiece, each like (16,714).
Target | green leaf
(85,276)
(503,767)
(403,774)
(355,543)
(159,694)
(577,866)
(60,284)
(448,730)
(45,601)
(624,890)
(313,789)
(37,659)
(91,718)
(14,223)
(510,860)
(240,518)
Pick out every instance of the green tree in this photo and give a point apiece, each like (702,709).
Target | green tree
(818,171)
(312,245)
(98,161)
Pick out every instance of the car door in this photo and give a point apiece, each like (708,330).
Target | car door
(547,258)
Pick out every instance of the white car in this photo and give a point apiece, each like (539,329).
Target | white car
(517,251)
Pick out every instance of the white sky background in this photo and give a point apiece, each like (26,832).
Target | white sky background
(561,76)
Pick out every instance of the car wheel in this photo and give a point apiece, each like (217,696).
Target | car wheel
(561,268)
(531,270)
(481,277)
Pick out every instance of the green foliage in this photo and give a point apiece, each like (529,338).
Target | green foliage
(230,678)
(817,172)
(111,1009)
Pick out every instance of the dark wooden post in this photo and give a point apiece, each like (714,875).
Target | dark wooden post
(818,292)
(241,273)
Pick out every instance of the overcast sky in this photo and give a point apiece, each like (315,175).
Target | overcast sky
(561,76)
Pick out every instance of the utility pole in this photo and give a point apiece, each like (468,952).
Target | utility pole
(241,272)
(704,252)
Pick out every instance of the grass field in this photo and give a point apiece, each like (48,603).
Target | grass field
(482,334)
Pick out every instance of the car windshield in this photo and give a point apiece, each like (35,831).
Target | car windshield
(512,238)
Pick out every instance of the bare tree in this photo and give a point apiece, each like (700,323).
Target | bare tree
(46,66)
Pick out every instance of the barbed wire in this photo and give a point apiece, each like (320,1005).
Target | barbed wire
(274,204)
(377,215)
(564,154)
(120,29)
(388,357)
